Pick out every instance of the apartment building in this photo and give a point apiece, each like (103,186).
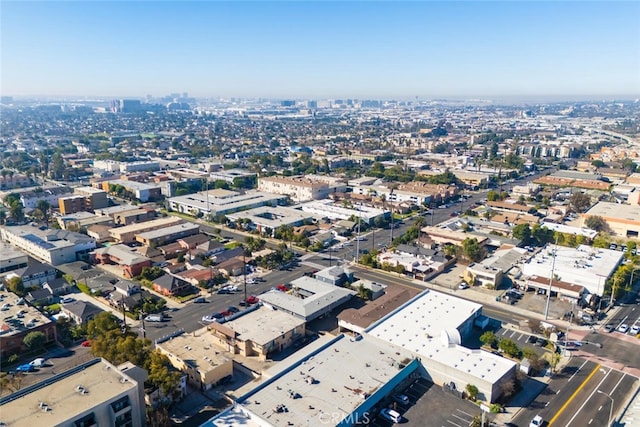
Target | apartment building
(128,233)
(95,393)
(301,188)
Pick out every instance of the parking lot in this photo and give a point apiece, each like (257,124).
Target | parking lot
(429,405)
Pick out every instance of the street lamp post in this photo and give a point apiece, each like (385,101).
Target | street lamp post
(611,408)
(553,267)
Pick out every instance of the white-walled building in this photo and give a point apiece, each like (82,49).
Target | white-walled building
(222,202)
(301,188)
(49,245)
(329,209)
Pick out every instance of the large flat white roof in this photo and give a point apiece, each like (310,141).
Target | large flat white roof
(427,326)
(335,380)
(584,265)
(196,349)
(230,201)
(271,216)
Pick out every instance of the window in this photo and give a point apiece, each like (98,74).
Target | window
(86,421)
(124,420)
(120,404)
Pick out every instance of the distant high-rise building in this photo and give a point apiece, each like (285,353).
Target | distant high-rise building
(6,99)
(288,103)
(312,104)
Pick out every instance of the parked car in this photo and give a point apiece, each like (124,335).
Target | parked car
(67,300)
(27,367)
(541,342)
(233,309)
(403,399)
(532,339)
(391,415)
(624,328)
(635,330)
(610,327)
(200,300)
(86,343)
(463,285)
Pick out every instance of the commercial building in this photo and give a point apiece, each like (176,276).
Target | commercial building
(432,326)
(267,219)
(623,220)
(329,209)
(220,202)
(259,333)
(583,266)
(128,233)
(95,393)
(20,319)
(308,298)
(420,338)
(302,188)
(52,246)
(196,355)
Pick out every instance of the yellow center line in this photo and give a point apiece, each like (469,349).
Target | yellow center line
(555,417)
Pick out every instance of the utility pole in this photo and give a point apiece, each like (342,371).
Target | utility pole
(391,197)
(244,272)
(553,267)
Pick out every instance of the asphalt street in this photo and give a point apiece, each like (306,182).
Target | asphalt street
(572,397)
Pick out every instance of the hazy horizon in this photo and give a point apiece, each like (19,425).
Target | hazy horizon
(322,50)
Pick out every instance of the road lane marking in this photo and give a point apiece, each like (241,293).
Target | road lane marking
(606,374)
(576,372)
(590,421)
(575,393)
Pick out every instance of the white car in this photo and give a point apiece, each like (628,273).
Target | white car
(463,285)
(635,330)
(537,421)
(623,328)
(391,415)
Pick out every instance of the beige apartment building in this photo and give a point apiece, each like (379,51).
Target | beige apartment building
(301,188)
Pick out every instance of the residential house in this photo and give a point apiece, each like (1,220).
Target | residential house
(58,286)
(35,273)
(170,285)
(39,296)
(81,311)
(232,267)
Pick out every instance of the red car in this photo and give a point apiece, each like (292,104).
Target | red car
(252,299)
(86,343)
(283,288)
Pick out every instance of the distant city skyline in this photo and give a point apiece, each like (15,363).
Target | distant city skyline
(364,50)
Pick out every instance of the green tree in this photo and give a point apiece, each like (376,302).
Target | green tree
(489,338)
(16,286)
(472,249)
(522,232)
(493,196)
(509,347)
(596,223)
(598,163)
(580,202)
(34,340)
(161,373)
(472,391)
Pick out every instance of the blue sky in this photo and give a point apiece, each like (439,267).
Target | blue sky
(365,49)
